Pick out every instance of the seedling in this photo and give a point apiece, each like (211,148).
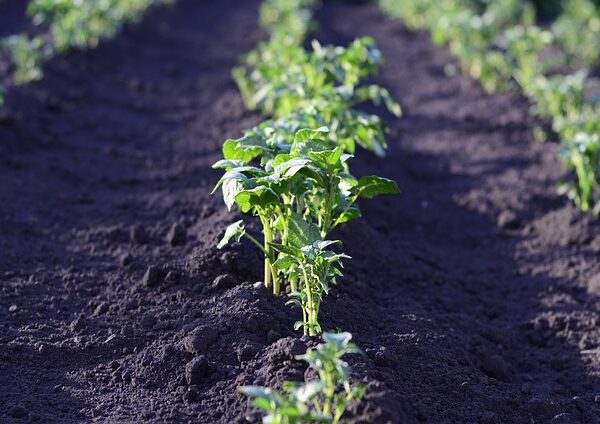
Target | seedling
(583,156)
(577,31)
(324,400)
(320,86)
(317,268)
(72,24)
(28,55)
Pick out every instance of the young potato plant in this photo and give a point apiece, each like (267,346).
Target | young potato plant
(300,191)
(321,401)
(577,31)
(72,24)
(291,83)
(583,156)
(560,96)
(28,55)
(523,45)
(316,267)
(288,21)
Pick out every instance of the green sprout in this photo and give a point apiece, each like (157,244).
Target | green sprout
(322,401)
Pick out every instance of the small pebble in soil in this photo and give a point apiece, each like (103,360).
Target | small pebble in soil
(125,259)
(224,282)
(587,342)
(273,336)
(383,358)
(246,352)
(494,366)
(148,321)
(200,339)
(542,408)
(138,235)
(192,393)
(196,370)
(101,309)
(78,325)
(508,220)
(563,418)
(152,277)
(17,411)
(127,331)
(176,235)
(13,308)
(172,277)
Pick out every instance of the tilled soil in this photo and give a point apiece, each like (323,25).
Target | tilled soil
(474,293)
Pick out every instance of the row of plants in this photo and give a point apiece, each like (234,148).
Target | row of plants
(68,24)
(292,172)
(500,44)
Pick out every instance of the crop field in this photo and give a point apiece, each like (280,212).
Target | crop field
(300,211)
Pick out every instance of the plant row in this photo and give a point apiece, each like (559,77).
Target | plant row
(292,171)
(70,24)
(499,44)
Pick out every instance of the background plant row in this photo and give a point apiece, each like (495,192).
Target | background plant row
(500,44)
(70,24)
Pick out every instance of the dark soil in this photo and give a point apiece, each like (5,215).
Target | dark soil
(474,293)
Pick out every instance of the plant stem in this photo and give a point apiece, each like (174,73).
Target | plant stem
(256,242)
(328,209)
(309,319)
(271,276)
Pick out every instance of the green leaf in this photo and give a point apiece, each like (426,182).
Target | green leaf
(228,164)
(371,186)
(258,196)
(324,244)
(284,262)
(262,403)
(256,391)
(302,233)
(289,250)
(340,340)
(235,230)
(305,392)
(244,149)
(308,134)
(329,159)
(348,215)
(232,182)
(292,166)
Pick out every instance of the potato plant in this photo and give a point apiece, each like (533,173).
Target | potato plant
(288,21)
(320,86)
(72,24)
(324,400)
(577,31)
(300,192)
(316,267)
